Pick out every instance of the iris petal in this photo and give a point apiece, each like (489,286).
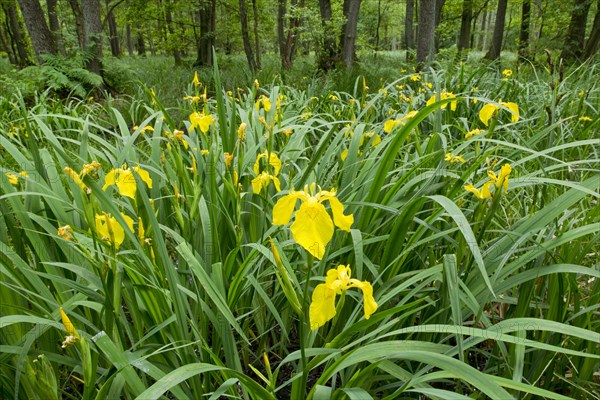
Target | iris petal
(312,228)
(322,306)
(344,222)
(126,183)
(282,212)
(486,113)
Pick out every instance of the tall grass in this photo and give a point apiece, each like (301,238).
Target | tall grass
(476,298)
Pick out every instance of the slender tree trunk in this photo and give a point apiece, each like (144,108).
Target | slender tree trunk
(281,17)
(246,36)
(77,13)
(171,30)
(16,36)
(573,45)
(377,38)
(256,36)
(328,54)
(39,33)
(409,38)
(465,25)
(496,46)
(206,39)
(54,25)
(425,37)
(129,40)
(593,41)
(152,46)
(524,31)
(288,42)
(439,6)
(348,44)
(113,34)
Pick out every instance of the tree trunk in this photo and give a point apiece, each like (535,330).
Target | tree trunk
(113,34)
(288,42)
(171,38)
(465,25)
(328,54)
(524,32)
(76,8)
(496,46)
(92,27)
(129,40)
(439,5)
(594,40)
(281,17)
(573,45)
(348,44)
(55,25)
(16,36)
(425,37)
(246,37)
(206,38)
(256,37)
(409,38)
(39,33)
(141,44)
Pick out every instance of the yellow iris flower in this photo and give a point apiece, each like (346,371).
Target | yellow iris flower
(264,101)
(488,110)
(454,159)
(444,95)
(312,227)
(262,181)
(123,178)
(322,306)
(201,121)
(196,81)
(502,179)
(499,181)
(263,178)
(274,161)
(110,230)
(482,194)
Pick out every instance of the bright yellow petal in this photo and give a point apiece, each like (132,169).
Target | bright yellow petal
(322,306)
(369,301)
(275,163)
(485,191)
(474,190)
(514,109)
(276,183)
(126,183)
(344,222)
(282,212)
(312,228)
(260,182)
(344,155)
(205,122)
(256,167)
(144,175)
(431,100)
(486,113)
(389,125)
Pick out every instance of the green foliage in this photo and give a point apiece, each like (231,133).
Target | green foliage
(492,298)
